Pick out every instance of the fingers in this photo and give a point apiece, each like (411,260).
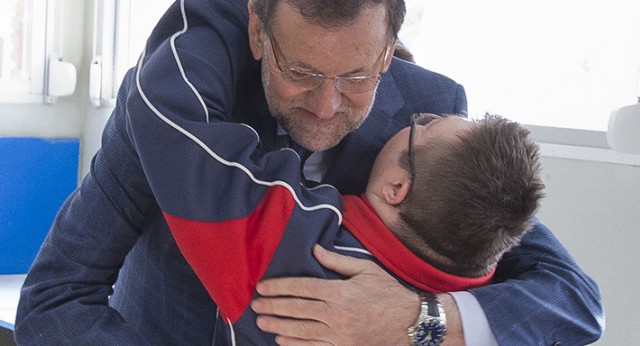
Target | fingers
(345,265)
(311,311)
(302,287)
(291,308)
(293,331)
(299,321)
(314,288)
(285,341)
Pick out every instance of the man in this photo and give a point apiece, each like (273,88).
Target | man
(200,70)
(445,199)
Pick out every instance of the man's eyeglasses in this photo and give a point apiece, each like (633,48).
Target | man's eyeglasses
(417,119)
(310,80)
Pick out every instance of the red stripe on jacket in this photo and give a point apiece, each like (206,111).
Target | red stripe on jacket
(230,257)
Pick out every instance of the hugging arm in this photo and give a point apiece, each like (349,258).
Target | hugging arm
(541,295)
(525,277)
(109,272)
(64,299)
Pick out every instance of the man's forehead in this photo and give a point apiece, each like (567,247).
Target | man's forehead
(327,50)
(288,19)
(336,15)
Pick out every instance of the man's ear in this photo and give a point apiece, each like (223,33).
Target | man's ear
(396,191)
(389,57)
(256,36)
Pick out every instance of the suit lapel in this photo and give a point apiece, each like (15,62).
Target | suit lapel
(349,171)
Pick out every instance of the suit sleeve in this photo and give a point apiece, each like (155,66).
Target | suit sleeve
(195,62)
(541,296)
(64,299)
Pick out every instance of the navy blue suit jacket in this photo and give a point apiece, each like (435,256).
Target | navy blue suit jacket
(109,272)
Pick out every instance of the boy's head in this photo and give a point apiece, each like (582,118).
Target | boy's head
(475,188)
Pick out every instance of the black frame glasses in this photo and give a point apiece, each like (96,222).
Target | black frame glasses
(417,119)
(310,80)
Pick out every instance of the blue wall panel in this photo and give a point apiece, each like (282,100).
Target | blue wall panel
(36,176)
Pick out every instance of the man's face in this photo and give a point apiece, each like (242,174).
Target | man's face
(319,117)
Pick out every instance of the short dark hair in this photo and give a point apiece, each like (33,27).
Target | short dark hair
(473,198)
(332,13)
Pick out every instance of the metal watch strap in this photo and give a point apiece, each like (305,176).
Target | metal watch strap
(430,308)
(433,304)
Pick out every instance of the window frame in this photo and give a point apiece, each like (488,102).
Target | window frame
(115,48)
(555,141)
(39,30)
(579,144)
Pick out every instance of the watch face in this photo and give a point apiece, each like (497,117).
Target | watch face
(430,333)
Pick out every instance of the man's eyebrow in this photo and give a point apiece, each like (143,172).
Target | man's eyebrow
(297,64)
(307,68)
(355,71)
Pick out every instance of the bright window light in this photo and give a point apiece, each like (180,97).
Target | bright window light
(18,35)
(563,64)
(121,28)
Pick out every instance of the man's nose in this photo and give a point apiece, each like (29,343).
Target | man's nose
(326,99)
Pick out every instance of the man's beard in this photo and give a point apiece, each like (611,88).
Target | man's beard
(318,137)
(315,136)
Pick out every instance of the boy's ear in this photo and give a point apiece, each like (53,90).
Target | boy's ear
(256,36)
(396,191)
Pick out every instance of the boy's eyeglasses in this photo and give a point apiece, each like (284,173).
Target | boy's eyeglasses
(417,119)
(310,80)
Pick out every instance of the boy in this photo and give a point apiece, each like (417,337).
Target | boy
(445,199)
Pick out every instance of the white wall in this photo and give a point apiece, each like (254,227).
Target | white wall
(594,209)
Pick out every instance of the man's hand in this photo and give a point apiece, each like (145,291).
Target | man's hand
(369,307)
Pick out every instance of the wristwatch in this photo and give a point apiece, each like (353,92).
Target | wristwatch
(430,327)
